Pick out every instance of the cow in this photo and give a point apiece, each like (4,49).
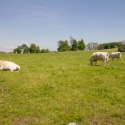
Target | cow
(117,55)
(9,66)
(104,56)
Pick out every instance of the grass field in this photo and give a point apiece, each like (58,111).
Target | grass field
(59,88)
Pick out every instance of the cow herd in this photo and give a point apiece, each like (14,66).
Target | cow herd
(105,57)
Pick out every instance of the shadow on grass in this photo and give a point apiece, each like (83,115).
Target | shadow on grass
(95,65)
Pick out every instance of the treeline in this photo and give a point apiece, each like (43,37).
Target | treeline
(63,45)
(32,49)
(110,45)
(119,45)
(72,45)
(75,45)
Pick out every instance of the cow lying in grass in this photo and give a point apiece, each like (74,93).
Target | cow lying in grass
(117,55)
(9,66)
(104,56)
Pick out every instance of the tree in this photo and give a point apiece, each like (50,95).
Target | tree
(106,45)
(17,50)
(33,48)
(121,47)
(71,41)
(63,46)
(25,48)
(92,46)
(120,44)
(74,46)
(100,46)
(66,46)
(95,46)
(45,51)
(81,45)
(37,49)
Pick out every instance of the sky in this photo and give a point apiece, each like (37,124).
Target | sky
(45,22)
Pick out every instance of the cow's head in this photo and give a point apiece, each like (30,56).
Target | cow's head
(90,61)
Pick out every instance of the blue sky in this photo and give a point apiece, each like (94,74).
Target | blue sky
(45,22)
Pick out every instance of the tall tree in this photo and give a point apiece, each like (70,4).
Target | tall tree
(81,45)
(17,50)
(100,46)
(25,48)
(121,47)
(37,49)
(63,46)
(92,46)
(71,41)
(32,48)
(74,46)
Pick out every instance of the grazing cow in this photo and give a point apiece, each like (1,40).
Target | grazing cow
(117,55)
(9,66)
(104,56)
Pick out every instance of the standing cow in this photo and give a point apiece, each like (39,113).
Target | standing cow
(104,56)
(117,55)
(9,66)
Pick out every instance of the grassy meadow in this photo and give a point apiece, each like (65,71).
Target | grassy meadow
(59,88)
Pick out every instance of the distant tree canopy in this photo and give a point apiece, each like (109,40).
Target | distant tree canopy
(32,49)
(45,51)
(63,46)
(81,44)
(92,46)
(74,45)
(23,48)
(96,46)
(108,45)
(38,49)
(121,47)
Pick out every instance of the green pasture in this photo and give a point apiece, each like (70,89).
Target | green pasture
(61,87)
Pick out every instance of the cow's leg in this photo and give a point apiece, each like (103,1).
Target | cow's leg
(1,68)
(104,60)
(91,62)
(105,63)
(11,70)
(95,62)
(108,63)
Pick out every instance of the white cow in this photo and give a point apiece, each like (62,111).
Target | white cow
(104,56)
(9,66)
(117,55)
